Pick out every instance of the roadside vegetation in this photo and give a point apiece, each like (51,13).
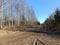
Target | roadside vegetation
(52,24)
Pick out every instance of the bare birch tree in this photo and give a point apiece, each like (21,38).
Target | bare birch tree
(18,12)
(32,16)
(2,12)
(10,13)
(25,13)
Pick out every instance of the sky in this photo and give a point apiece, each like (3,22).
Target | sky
(44,8)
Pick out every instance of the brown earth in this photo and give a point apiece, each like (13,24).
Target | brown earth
(29,38)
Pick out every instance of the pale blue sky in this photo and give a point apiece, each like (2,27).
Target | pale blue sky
(43,8)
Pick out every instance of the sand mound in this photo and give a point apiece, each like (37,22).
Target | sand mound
(6,32)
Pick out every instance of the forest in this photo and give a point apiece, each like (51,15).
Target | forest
(16,13)
(52,24)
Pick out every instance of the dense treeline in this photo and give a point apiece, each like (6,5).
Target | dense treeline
(52,24)
(16,13)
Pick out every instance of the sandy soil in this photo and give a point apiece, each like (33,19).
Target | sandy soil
(29,38)
(4,33)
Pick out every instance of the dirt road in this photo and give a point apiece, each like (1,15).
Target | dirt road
(29,38)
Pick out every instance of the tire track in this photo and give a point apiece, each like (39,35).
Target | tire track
(27,38)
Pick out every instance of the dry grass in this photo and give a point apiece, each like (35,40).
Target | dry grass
(6,33)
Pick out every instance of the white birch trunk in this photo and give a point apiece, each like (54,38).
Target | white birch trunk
(19,12)
(10,13)
(2,13)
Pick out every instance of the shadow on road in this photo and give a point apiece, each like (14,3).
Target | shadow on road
(47,33)
(39,31)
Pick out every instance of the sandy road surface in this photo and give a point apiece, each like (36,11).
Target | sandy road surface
(29,38)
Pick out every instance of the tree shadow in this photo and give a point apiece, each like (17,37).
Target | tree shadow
(39,31)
